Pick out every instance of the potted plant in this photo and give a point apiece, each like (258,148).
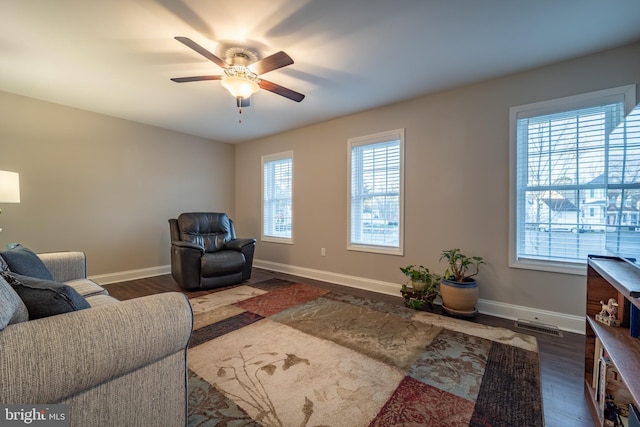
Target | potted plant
(458,287)
(424,287)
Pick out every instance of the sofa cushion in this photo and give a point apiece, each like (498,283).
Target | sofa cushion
(24,261)
(13,309)
(86,287)
(101,299)
(45,298)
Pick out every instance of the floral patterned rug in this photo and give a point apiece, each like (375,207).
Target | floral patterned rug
(286,354)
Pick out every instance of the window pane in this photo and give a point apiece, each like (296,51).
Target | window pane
(376,193)
(623,195)
(562,181)
(277,204)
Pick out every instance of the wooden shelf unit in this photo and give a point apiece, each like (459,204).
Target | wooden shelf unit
(611,277)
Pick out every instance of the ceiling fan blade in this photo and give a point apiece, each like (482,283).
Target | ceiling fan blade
(281,90)
(202,51)
(195,78)
(270,63)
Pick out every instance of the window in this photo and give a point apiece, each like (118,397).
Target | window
(376,181)
(559,176)
(623,190)
(277,182)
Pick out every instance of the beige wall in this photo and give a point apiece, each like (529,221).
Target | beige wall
(107,186)
(103,185)
(457,181)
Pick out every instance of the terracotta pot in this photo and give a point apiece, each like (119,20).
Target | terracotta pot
(459,298)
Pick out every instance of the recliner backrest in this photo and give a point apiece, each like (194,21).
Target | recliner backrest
(211,230)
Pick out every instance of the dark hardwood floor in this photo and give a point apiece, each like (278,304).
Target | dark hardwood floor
(562,366)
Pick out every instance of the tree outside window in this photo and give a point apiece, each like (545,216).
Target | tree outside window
(561,172)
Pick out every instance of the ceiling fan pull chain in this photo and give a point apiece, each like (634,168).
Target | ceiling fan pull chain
(239,104)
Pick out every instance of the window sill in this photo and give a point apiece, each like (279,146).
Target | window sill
(376,249)
(575,268)
(282,240)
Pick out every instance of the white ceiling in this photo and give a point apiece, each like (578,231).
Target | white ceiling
(116,57)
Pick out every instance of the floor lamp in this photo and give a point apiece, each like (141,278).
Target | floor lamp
(9,188)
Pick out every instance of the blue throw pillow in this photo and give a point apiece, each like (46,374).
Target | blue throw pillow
(24,261)
(12,309)
(45,298)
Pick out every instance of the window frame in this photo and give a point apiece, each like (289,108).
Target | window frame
(625,94)
(381,137)
(265,160)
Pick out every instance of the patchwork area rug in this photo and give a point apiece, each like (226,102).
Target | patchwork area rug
(286,354)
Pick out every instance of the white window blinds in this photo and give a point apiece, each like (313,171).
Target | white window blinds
(376,179)
(623,189)
(277,212)
(561,179)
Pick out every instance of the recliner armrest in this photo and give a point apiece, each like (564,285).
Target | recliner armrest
(239,243)
(187,245)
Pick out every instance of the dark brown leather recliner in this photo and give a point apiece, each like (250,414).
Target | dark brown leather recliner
(205,252)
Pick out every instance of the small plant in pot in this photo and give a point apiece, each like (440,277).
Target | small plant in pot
(458,287)
(424,287)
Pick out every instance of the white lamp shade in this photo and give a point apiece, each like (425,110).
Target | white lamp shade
(239,86)
(9,187)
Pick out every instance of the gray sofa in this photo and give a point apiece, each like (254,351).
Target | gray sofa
(118,363)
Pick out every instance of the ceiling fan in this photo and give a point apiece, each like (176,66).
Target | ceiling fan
(241,72)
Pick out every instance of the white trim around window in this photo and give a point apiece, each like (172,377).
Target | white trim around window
(557,162)
(375,194)
(277,198)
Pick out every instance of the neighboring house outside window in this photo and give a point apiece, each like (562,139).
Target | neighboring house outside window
(623,195)
(559,178)
(376,187)
(277,190)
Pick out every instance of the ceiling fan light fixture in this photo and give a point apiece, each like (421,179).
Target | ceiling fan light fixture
(240,86)
(240,82)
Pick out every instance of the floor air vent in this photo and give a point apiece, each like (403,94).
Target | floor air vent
(539,327)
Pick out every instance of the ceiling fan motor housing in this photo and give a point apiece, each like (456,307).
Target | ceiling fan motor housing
(240,56)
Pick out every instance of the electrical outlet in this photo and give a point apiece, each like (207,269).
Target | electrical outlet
(322,252)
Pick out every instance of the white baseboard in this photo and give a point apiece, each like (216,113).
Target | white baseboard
(327,276)
(565,322)
(123,276)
